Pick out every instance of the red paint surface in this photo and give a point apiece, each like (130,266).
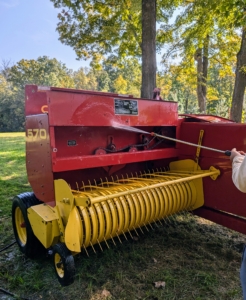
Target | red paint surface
(38,158)
(78,123)
(221,194)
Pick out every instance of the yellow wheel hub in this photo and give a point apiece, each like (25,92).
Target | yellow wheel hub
(59,265)
(20,226)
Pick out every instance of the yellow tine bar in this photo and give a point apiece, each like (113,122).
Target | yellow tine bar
(123,193)
(123,205)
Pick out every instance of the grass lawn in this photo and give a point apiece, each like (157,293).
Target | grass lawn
(191,258)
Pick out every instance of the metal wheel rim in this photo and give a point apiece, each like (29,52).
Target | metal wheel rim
(20,226)
(59,265)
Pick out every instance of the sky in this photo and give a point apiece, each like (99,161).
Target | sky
(28,30)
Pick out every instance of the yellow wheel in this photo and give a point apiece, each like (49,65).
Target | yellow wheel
(25,238)
(64,264)
(20,226)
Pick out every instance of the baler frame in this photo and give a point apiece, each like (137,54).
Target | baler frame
(93,182)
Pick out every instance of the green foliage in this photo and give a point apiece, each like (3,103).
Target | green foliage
(95,28)
(11,107)
(114,75)
(85,79)
(13,178)
(109,32)
(129,69)
(120,85)
(43,71)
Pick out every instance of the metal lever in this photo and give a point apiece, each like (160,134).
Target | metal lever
(227,152)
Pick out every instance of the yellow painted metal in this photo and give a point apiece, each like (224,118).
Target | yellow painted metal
(215,175)
(20,226)
(87,226)
(59,265)
(114,208)
(187,177)
(97,213)
(43,220)
(74,231)
(198,150)
(60,224)
(95,225)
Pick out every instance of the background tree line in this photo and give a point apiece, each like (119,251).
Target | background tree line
(202,49)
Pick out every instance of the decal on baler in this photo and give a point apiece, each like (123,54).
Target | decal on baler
(125,107)
(37,133)
(44,109)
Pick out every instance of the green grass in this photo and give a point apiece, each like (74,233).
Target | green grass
(13,178)
(196,259)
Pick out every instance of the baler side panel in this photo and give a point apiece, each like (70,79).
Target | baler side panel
(71,109)
(220,195)
(76,148)
(35,100)
(38,157)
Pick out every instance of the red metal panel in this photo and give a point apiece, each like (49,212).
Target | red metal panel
(220,194)
(79,109)
(92,161)
(36,101)
(230,221)
(87,92)
(38,157)
(206,118)
(71,141)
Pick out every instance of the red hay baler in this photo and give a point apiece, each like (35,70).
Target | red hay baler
(94,181)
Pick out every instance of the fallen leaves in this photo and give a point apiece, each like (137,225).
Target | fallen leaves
(159,284)
(106,293)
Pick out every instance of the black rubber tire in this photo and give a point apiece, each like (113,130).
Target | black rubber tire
(64,264)
(25,238)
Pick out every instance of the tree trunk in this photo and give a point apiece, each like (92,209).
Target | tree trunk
(200,96)
(148,48)
(201,57)
(205,68)
(240,82)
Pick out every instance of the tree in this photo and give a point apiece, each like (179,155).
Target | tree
(43,71)
(233,15)
(205,29)
(120,85)
(129,68)
(201,57)
(5,68)
(240,82)
(125,28)
(148,48)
